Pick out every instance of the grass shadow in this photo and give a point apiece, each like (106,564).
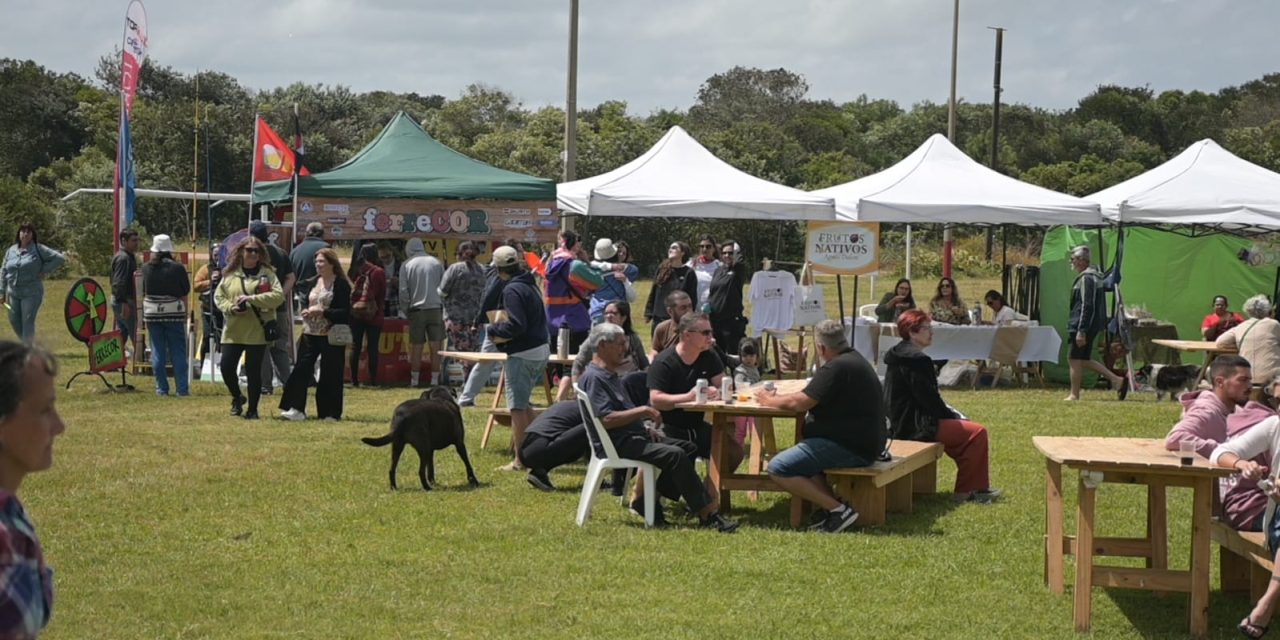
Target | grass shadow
(1165,615)
(921,521)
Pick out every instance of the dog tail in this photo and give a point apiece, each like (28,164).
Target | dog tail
(379,442)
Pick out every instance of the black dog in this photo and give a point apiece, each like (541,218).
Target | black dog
(429,423)
(1171,379)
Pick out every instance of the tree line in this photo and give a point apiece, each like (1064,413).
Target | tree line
(60,135)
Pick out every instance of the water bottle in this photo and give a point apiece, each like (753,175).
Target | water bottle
(975,314)
(562,342)
(700,391)
(726,390)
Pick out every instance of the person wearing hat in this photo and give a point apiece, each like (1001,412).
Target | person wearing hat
(522,335)
(1088,318)
(279,353)
(490,300)
(165,285)
(618,279)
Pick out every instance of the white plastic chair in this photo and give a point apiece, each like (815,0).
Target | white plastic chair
(600,441)
(867,311)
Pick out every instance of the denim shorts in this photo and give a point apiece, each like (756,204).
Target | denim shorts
(811,457)
(522,376)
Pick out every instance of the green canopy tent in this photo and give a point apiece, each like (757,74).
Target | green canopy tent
(403,161)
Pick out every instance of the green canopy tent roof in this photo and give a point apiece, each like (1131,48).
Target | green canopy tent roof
(405,162)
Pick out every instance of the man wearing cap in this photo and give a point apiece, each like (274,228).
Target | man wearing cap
(280,352)
(522,335)
(617,281)
(1087,319)
(303,259)
(420,277)
(124,294)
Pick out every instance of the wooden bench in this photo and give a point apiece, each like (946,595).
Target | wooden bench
(888,486)
(501,416)
(1244,561)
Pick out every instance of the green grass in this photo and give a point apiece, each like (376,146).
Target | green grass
(164,518)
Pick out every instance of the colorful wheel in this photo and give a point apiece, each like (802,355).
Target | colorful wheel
(86,309)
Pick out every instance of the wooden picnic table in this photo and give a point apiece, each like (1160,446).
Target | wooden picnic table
(1127,461)
(497,413)
(1210,350)
(720,414)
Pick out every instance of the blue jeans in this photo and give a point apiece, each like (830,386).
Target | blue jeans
(480,373)
(169,345)
(125,326)
(811,457)
(22,315)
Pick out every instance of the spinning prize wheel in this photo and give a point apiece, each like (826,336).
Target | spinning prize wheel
(86,309)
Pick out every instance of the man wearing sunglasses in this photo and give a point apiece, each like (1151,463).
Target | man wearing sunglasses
(673,376)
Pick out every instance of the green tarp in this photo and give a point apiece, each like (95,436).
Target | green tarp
(1172,276)
(405,162)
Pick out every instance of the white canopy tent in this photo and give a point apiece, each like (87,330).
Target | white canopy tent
(1203,185)
(939,184)
(678,177)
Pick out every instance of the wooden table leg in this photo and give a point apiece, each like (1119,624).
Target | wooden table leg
(755,464)
(1158,526)
(1084,555)
(1053,528)
(1201,507)
(497,398)
(720,424)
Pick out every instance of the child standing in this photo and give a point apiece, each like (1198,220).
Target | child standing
(746,374)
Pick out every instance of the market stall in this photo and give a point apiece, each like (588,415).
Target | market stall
(406,184)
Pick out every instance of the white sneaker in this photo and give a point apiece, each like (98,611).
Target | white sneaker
(293,414)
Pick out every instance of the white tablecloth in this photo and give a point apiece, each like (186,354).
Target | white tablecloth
(952,342)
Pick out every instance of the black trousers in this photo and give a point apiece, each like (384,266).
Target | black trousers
(544,453)
(698,436)
(252,368)
(679,478)
(362,335)
(328,390)
(728,332)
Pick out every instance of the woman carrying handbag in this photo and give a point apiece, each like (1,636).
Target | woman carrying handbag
(248,293)
(325,335)
(368,292)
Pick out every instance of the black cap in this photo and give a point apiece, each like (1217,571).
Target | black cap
(258,229)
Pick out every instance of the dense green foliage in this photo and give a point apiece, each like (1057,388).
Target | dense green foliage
(60,135)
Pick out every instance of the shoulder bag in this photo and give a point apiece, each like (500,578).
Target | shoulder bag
(270,329)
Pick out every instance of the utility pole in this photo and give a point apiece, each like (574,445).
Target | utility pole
(995,124)
(571,108)
(947,236)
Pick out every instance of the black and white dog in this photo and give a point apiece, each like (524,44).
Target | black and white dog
(1173,379)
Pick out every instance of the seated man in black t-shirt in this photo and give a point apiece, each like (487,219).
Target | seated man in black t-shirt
(556,437)
(845,426)
(624,422)
(673,376)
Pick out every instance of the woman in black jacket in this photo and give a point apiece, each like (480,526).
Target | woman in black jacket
(917,412)
(725,299)
(165,285)
(674,274)
(328,304)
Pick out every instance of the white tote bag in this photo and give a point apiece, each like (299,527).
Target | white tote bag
(811,307)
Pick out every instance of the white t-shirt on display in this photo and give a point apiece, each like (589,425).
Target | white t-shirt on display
(772,301)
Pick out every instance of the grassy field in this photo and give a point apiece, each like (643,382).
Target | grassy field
(164,518)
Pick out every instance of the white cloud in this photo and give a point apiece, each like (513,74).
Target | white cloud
(657,53)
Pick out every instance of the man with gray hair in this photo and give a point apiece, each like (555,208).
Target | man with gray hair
(1256,339)
(624,422)
(845,426)
(1088,318)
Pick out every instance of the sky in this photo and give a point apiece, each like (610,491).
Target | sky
(655,54)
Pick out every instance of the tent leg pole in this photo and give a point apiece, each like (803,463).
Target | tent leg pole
(1004,261)
(840,296)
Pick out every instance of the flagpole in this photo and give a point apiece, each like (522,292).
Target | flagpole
(297,168)
(253,165)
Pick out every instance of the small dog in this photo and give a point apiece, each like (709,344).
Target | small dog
(1171,379)
(429,423)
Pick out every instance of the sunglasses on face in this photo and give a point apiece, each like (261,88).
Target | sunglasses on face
(706,333)
(250,250)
